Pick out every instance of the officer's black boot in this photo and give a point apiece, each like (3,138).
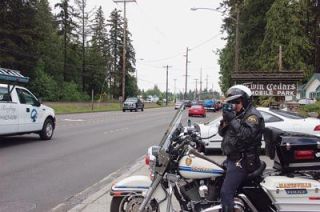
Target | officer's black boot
(227,209)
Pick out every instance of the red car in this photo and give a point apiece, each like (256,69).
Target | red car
(197,110)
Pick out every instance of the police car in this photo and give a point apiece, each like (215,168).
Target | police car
(273,117)
(20,111)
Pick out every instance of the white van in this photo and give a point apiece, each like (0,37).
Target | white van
(21,112)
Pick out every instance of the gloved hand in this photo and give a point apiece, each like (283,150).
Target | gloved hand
(228,115)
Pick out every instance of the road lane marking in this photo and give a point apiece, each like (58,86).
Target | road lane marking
(115,130)
(75,120)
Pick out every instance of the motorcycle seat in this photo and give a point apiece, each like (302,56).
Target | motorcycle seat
(257,172)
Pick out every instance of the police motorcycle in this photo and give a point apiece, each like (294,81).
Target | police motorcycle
(179,169)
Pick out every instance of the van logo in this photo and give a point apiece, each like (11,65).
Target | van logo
(34,115)
(188,161)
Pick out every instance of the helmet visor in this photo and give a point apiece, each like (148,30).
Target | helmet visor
(232,98)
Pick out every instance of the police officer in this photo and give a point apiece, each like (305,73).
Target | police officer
(241,128)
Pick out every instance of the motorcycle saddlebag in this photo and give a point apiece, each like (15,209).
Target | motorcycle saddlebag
(292,151)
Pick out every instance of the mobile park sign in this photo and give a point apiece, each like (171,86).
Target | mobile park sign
(277,83)
(272,89)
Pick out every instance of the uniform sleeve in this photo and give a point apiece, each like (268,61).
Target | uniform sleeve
(222,128)
(248,129)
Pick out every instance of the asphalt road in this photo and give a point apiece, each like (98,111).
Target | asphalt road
(37,175)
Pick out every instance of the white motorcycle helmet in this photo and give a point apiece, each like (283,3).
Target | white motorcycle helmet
(239,92)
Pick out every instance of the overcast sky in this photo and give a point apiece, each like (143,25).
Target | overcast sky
(162,30)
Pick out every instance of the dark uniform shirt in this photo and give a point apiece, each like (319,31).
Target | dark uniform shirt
(243,133)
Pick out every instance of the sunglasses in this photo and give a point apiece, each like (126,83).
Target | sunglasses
(235,102)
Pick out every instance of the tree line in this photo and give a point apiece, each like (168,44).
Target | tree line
(264,26)
(67,55)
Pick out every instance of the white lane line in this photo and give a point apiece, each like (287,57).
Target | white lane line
(115,130)
(74,120)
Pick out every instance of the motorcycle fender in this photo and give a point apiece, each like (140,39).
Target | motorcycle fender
(133,184)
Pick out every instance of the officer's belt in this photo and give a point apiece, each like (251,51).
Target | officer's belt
(238,155)
(235,156)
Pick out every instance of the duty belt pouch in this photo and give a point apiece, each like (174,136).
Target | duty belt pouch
(251,162)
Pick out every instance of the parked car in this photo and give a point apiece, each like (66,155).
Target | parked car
(187,103)
(197,110)
(177,105)
(133,104)
(209,105)
(217,105)
(281,119)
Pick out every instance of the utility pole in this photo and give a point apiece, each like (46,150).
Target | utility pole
(280,58)
(186,82)
(207,83)
(200,84)
(167,67)
(196,91)
(175,97)
(236,58)
(124,52)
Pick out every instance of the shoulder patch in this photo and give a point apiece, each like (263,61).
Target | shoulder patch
(253,119)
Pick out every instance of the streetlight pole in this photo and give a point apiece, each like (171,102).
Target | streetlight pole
(124,51)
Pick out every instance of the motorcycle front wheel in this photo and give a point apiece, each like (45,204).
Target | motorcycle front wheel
(130,204)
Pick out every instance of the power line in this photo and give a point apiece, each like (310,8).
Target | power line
(206,41)
(179,54)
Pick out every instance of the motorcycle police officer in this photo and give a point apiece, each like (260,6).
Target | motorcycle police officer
(241,128)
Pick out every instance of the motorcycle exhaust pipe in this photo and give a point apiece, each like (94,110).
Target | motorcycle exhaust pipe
(238,207)
(216,208)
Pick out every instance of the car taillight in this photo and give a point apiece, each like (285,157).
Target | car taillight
(147,160)
(317,128)
(303,154)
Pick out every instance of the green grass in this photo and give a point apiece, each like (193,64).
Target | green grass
(84,107)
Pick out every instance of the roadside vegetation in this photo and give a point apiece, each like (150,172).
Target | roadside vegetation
(265,25)
(85,107)
(310,110)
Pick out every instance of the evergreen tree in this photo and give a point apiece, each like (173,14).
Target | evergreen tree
(83,30)
(100,62)
(115,25)
(67,26)
(18,35)
(252,29)
(284,28)
(49,44)
(116,46)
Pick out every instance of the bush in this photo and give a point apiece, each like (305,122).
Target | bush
(312,107)
(44,85)
(71,92)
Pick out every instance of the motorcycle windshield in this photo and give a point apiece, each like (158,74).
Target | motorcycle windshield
(166,141)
